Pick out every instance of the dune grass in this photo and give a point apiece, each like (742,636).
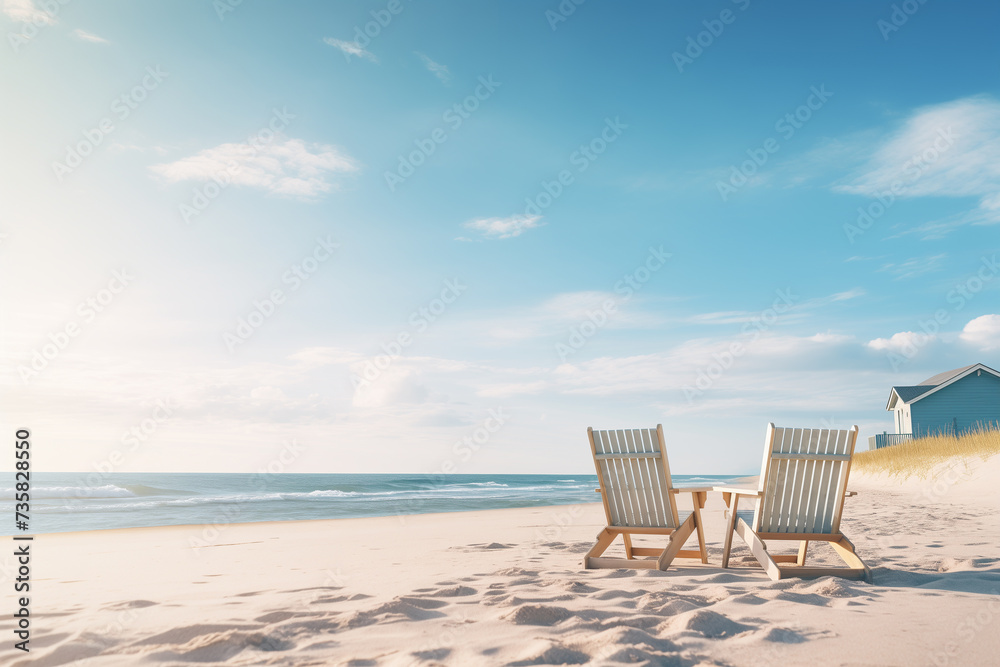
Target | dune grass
(921,455)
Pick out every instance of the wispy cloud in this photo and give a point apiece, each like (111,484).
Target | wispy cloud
(946,150)
(290,167)
(25,11)
(913,267)
(798,310)
(89,37)
(350,49)
(504,228)
(435,68)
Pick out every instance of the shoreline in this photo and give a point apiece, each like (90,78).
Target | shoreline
(151,500)
(285,522)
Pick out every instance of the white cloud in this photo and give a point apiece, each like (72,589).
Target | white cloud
(504,228)
(904,342)
(290,167)
(350,49)
(983,333)
(945,150)
(25,11)
(435,68)
(89,37)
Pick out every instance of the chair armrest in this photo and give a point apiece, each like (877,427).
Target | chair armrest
(740,490)
(729,491)
(691,489)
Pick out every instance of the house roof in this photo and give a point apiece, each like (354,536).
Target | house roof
(910,394)
(941,378)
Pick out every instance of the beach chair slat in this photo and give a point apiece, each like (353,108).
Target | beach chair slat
(794,481)
(638,494)
(643,467)
(828,495)
(838,483)
(795,509)
(816,472)
(848,448)
(611,477)
(663,466)
(823,492)
(596,445)
(782,502)
(766,504)
(651,444)
(624,491)
(806,502)
(621,484)
(766,475)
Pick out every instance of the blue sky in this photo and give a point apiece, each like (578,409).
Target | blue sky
(710,215)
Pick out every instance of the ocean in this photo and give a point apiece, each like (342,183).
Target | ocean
(62,502)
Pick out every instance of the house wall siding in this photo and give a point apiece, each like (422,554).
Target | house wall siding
(973,400)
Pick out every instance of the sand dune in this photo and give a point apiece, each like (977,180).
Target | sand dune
(505,587)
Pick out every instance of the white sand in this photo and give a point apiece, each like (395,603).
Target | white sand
(506,587)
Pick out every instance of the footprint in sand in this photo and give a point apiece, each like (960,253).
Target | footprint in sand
(187,633)
(452,592)
(531,614)
(516,572)
(664,604)
(423,603)
(619,574)
(131,604)
(329,599)
(618,593)
(436,654)
(784,636)
(579,587)
(276,617)
(413,609)
(706,623)
(543,652)
(221,646)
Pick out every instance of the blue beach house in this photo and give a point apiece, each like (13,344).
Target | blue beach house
(952,402)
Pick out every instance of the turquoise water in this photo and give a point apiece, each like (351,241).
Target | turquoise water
(72,501)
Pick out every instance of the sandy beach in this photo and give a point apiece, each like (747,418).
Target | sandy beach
(506,587)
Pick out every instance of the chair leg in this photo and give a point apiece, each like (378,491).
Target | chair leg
(628,545)
(730,529)
(803,547)
(759,550)
(845,549)
(701,534)
(604,540)
(677,540)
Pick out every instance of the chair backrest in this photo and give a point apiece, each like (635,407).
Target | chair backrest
(803,479)
(635,477)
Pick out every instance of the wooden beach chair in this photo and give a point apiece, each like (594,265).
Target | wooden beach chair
(800,497)
(639,499)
